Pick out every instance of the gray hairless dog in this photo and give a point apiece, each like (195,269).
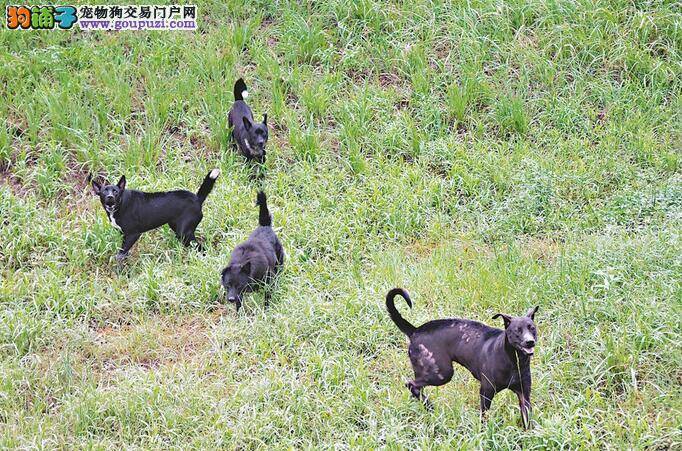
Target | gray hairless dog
(498,359)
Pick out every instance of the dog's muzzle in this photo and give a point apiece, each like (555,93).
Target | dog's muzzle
(529,348)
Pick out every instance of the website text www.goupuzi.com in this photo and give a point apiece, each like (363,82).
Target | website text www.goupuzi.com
(102,17)
(140,24)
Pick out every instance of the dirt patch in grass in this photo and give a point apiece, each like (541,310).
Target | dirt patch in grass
(443,50)
(272,42)
(543,249)
(77,178)
(527,39)
(17,124)
(154,343)
(423,248)
(359,76)
(402,104)
(9,179)
(387,79)
(12,181)
(135,120)
(194,144)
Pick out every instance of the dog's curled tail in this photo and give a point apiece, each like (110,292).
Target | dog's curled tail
(207,184)
(264,218)
(404,325)
(240,92)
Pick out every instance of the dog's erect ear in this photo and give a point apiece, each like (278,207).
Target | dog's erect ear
(246,268)
(122,183)
(96,187)
(265,119)
(531,312)
(507,319)
(247,123)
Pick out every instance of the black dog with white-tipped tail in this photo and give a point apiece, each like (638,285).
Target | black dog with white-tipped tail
(498,359)
(249,136)
(255,261)
(135,212)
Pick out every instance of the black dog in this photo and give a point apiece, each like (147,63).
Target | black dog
(497,358)
(134,212)
(255,261)
(250,138)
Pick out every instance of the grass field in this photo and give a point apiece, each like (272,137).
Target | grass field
(487,156)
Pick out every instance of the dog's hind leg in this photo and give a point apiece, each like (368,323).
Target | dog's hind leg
(190,238)
(268,287)
(431,368)
(177,230)
(185,233)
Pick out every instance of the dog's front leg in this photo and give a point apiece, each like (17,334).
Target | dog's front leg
(417,392)
(525,408)
(268,296)
(128,241)
(487,394)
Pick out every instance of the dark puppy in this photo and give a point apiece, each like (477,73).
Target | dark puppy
(249,136)
(497,358)
(255,261)
(134,212)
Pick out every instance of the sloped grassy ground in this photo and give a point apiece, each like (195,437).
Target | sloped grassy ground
(487,156)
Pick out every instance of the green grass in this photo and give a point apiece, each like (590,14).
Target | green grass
(487,156)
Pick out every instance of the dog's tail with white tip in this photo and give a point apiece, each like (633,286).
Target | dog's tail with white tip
(207,184)
(404,325)
(240,92)
(264,218)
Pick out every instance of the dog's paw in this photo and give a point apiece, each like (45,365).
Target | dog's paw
(120,257)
